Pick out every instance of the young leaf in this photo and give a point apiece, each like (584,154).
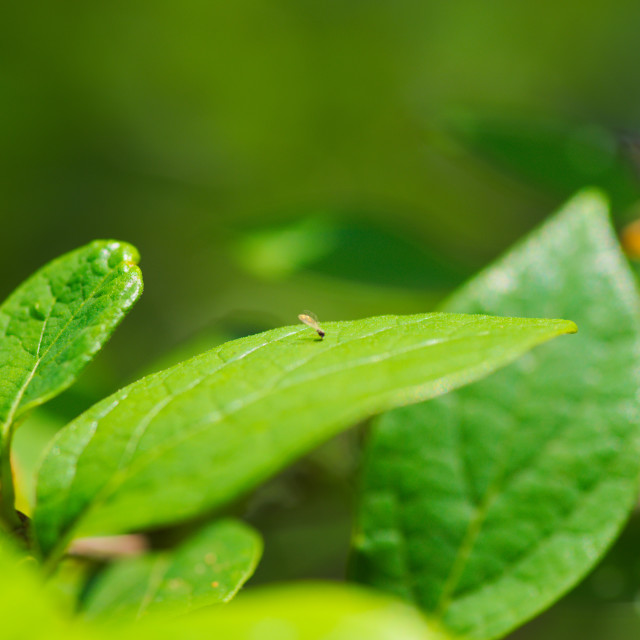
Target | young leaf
(207,569)
(304,612)
(189,438)
(53,324)
(484,506)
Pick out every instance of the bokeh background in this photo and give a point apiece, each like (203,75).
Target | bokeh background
(353,158)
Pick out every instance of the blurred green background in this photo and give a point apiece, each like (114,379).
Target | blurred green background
(353,158)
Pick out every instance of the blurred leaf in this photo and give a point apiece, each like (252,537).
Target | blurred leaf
(559,156)
(279,251)
(388,255)
(26,612)
(359,251)
(219,424)
(485,506)
(55,322)
(29,444)
(67,585)
(207,569)
(311,611)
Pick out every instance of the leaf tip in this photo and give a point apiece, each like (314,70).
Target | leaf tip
(570,326)
(589,201)
(121,252)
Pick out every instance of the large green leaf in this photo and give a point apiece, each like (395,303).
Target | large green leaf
(209,568)
(484,506)
(189,438)
(301,611)
(54,323)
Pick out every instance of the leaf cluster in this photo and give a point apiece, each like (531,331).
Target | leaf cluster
(494,481)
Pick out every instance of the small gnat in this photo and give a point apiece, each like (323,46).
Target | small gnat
(311,321)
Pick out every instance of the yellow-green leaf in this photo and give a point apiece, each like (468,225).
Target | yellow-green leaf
(312,611)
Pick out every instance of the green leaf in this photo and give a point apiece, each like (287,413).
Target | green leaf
(484,506)
(50,328)
(26,611)
(300,611)
(207,569)
(54,323)
(222,422)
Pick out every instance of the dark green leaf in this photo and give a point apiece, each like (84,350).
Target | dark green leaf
(484,506)
(209,568)
(557,156)
(222,422)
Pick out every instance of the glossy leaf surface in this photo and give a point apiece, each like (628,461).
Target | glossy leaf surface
(484,506)
(207,569)
(220,423)
(54,323)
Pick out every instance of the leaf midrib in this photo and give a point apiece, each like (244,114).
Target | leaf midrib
(501,480)
(481,511)
(546,538)
(11,414)
(157,574)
